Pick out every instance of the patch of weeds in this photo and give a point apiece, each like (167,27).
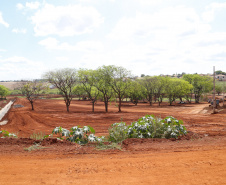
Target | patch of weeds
(34,147)
(113,146)
(5,133)
(38,136)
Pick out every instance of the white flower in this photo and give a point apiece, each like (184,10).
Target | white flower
(169,129)
(99,139)
(78,132)
(168,120)
(91,137)
(65,132)
(74,128)
(173,134)
(86,129)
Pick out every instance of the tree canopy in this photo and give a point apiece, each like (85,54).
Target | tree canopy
(4,91)
(64,80)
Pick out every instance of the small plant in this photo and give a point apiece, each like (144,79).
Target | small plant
(38,136)
(34,147)
(4,133)
(118,132)
(113,146)
(78,135)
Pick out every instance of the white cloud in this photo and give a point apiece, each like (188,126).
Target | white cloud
(20,6)
(84,46)
(210,11)
(16,68)
(2,21)
(17,30)
(168,22)
(149,2)
(3,50)
(32,5)
(65,20)
(62,59)
(28,6)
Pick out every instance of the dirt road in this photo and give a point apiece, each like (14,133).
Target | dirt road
(199,158)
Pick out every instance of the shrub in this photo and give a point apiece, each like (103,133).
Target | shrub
(147,127)
(118,132)
(79,135)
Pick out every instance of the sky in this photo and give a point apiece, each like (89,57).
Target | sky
(150,37)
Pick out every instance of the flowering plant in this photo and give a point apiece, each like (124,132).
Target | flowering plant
(148,126)
(79,135)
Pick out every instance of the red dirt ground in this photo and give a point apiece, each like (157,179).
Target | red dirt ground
(198,158)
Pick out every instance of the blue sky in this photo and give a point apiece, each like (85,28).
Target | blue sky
(145,36)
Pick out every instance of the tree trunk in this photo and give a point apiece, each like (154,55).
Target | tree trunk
(93,102)
(119,106)
(67,107)
(32,106)
(106,105)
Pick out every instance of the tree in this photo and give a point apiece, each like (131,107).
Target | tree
(102,83)
(120,81)
(220,72)
(79,91)
(87,80)
(135,92)
(32,90)
(176,88)
(218,88)
(4,91)
(201,84)
(159,88)
(64,80)
(149,85)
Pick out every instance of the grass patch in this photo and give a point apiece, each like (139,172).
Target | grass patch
(38,136)
(113,146)
(34,147)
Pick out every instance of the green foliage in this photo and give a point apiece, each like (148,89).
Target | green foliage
(4,133)
(220,72)
(87,80)
(119,81)
(201,84)
(149,84)
(64,80)
(135,92)
(4,91)
(147,127)
(32,90)
(79,135)
(176,88)
(79,91)
(118,132)
(103,84)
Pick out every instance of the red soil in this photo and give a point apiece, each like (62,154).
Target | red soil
(198,158)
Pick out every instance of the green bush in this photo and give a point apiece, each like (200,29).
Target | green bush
(79,135)
(147,127)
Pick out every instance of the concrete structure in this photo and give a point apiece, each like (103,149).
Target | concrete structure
(221,77)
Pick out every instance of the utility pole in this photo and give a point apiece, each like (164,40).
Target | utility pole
(214,101)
